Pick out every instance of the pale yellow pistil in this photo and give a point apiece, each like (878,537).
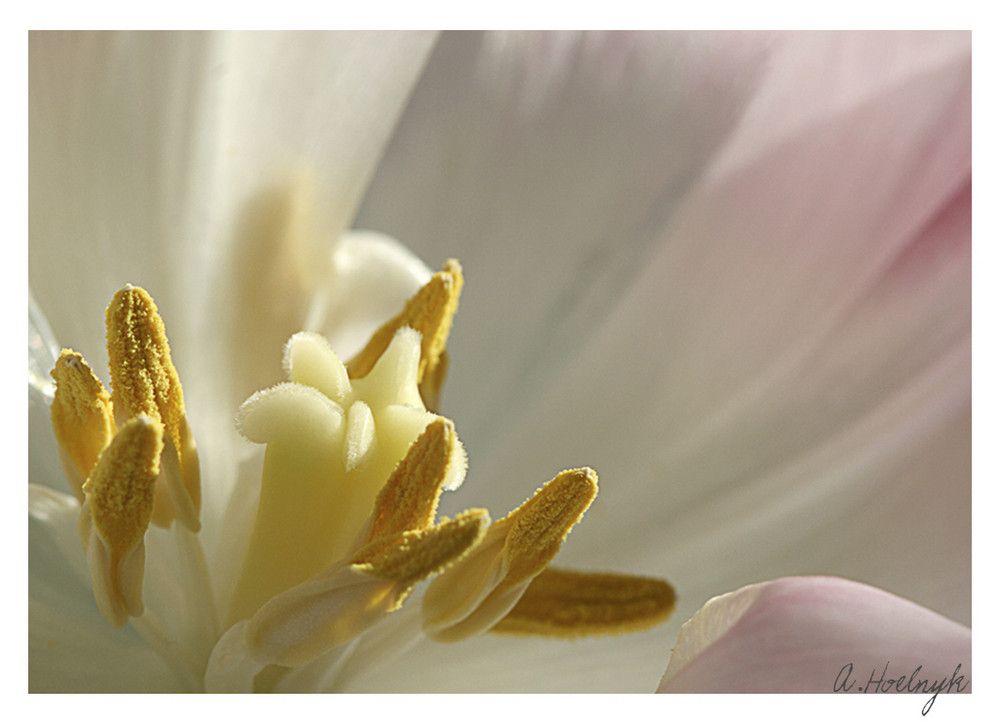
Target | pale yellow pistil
(400,547)
(332,443)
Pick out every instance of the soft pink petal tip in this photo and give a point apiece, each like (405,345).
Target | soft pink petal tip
(822,635)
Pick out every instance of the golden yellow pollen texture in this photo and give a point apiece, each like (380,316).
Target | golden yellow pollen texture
(430,311)
(410,497)
(415,555)
(402,545)
(540,525)
(144,381)
(565,603)
(122,486)
(143,376)
(82,417)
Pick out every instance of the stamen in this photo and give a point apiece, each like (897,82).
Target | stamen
(412,556)
(430,311)
(409,499)
(477,592)
(82,418)
(541,524)
(144,381)
(564,603)
(116,514)
(329,610)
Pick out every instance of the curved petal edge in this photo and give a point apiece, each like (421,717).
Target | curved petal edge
(818,635)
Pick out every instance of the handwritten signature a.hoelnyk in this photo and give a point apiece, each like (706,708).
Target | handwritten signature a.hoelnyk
(912,682)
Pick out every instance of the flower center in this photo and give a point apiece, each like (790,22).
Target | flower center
(353,466)
(332,444)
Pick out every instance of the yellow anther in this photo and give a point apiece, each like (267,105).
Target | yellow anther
(540,525)
(430,311)
(332,608)
(477,592)
(409,500)
(82,417)
(144,381)
(142,375)
(564,603)
(412,556)
(117,512)
(121,488)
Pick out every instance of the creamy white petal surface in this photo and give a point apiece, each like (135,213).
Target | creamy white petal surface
(184,162)
(66,626)
(728,271)
(800,634)
(772,376)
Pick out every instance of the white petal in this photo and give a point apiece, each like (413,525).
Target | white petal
(373,276)
(780,370)
(70,646)
(783,349)
(146,146)
(231,668)
(815,634)
(43,451)
(153,156)
(306,116)
(543,161)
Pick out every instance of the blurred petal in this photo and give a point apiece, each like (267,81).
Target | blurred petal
(173,161)
(799,634)
(374,275)
(146,146)
(560,154)
(771,368)
(43,451)
(70,646)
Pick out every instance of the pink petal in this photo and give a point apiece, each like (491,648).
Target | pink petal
(821,635)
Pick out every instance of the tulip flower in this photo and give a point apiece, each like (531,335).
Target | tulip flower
(727,271)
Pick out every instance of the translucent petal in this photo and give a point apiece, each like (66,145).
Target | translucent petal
(43,451)
(373,275)
(70,646)
(548,159)
(153,156)
(760,359)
